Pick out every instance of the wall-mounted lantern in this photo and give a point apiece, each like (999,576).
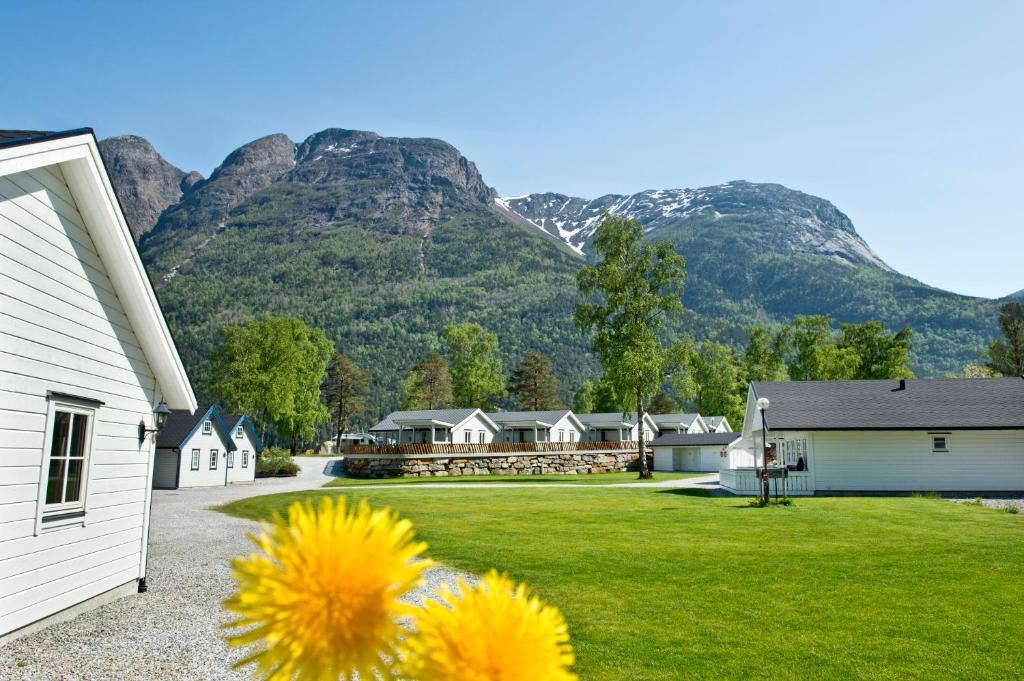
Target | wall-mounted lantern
(160,415)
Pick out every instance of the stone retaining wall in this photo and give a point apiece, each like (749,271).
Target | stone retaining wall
(381,466)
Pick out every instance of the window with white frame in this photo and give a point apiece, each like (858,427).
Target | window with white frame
(940,442)
(561,436)
(213,459)
(207,427)
(195,459)
(67,462)
(481,435)
(231,459)
(469,436)
(572,436)
(238,433)
(245,458)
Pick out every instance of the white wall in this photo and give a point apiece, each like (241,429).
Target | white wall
(703,459)
(205,476)
(242,443)
(904,461)
(475,425)
(62,328)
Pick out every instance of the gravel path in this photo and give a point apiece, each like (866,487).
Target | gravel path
(171,632)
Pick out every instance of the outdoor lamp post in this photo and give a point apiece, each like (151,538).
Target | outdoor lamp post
(160,414)
(762,406)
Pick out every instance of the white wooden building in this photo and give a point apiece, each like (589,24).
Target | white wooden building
(718,424)
(199,450)
(694,452)
(617,426)
(452,426)
(242,462)
(942,435)
(559,425)
(86,363)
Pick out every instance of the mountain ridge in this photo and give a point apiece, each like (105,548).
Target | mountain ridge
(383,240)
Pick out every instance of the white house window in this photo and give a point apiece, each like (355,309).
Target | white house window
(207,427)
(940,443)
(481,435)
(68,459)
(238,433)
(561,436)
(245,458)
(195,459)
(213,459)
(572,436)
(469,436)
(231,459)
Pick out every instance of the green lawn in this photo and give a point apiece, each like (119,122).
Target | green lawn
(668,584)
(591,479)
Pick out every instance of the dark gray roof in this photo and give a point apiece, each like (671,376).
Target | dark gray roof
(687,419)
(927,404)
(181,423)
(605,417)
(500,417)
(389,422)
(14,138)
(693,439)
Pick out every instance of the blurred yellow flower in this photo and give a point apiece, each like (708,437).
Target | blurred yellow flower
(493,631)
(321,601)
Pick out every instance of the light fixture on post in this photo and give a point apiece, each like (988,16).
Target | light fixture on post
(762,406)
(160,414)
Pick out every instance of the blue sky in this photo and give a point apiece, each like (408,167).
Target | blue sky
(908,116)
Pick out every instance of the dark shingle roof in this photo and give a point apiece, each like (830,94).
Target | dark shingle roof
(178,426)
(694,439)
(686,419)
(14,138)
(927,404)
(500,417)
(454,416)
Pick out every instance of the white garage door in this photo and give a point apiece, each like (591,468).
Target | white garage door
(686,459)
(165,472)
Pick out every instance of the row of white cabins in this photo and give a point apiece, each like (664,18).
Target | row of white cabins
(89,370)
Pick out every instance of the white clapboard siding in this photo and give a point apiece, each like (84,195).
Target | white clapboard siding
(904,461)
(237,473)
(63,329)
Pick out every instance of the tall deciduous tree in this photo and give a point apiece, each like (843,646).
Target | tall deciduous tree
(815,354)
(344,391)
(627,294)
(272,369)
(584,400)
(534,385)
(477,379)
(428,385)
(1006,354)
(764,358)
(883,354)
(717,374)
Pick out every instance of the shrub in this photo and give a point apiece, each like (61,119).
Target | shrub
(275,462)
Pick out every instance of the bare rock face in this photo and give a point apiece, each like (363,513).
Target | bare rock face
(145,183)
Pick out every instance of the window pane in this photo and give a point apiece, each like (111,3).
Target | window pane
(55,481)
(59,444)
(78,428)
(74,486)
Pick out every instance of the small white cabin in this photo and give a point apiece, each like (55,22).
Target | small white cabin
(242,462)
(929,435)
(436,426)
(195,450)
(559,425)
(619,427)
(694,452)
(87,366)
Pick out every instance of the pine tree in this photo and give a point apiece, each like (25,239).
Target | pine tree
(534,385)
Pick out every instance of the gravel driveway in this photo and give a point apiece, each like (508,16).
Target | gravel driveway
(171,632)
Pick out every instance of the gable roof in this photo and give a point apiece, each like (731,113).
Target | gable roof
(78,157)
(233,420)
(547,418)
(684,419)
(694,439)
(446,417)
(614,419)
(925,404)
(181,424)
(715,421)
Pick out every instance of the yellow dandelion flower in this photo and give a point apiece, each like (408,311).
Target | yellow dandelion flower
(493,631)
(321,601)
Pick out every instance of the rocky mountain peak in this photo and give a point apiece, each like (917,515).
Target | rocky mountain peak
(782,219)
(145,182)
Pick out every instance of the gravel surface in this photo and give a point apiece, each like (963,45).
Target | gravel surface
(171,632)
(1003,504)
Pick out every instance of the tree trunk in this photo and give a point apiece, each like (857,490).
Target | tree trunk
(294,444)
(337,444)
(644,472)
